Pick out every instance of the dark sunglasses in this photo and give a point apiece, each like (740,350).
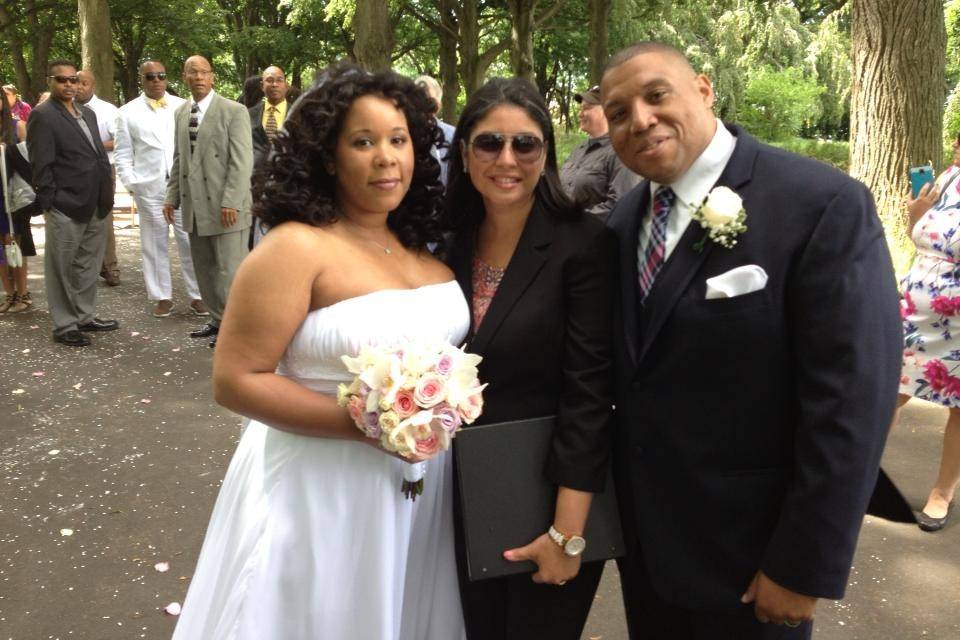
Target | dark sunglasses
(151,76)
(487,147)
(66,79)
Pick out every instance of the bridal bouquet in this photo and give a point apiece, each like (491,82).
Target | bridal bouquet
(413,398)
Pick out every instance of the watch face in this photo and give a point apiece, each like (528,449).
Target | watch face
(575,546)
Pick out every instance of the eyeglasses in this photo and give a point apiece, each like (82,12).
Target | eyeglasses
(526,148)
(65,79)
(151,76)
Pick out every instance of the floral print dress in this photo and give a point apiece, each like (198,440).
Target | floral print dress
(931,302)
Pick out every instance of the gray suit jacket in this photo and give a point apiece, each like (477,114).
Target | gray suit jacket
(218,172)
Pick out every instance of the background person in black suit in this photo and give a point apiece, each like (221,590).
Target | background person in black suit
(755,384)
(266,119)
(74,186)
(540,277)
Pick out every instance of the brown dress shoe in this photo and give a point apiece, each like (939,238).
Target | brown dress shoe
(199,309)
(163,309)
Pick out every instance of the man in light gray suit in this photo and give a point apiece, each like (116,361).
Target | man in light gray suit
(210,183)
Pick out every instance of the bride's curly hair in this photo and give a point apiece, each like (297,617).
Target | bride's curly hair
(296,183)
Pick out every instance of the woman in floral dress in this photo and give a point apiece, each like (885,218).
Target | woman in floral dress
(931,325)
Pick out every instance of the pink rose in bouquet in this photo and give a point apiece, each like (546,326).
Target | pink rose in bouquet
(412,398)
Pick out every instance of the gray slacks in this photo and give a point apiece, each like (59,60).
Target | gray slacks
(72,256)
(215,261)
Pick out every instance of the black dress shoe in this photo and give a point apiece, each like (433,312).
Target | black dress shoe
(928,523)
(99,325)
(205,331)
(72,339)
(213,343)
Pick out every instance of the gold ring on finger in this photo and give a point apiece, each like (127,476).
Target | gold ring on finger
(791,624)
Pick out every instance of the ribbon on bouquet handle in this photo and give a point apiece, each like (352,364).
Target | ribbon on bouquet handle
(413,475)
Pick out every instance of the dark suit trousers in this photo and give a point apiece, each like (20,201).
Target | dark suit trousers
(649,617)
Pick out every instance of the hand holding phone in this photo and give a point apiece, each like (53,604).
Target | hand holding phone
(920,176)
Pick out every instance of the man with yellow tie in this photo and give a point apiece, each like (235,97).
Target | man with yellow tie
(266,119)
(143,148)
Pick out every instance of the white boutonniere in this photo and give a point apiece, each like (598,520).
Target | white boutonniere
(722,216)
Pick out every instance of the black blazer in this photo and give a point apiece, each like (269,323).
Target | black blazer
(261,144)
(546,342)
(69,175)
(750,428)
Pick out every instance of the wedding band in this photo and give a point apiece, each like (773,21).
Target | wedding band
(561,583)
(791,624)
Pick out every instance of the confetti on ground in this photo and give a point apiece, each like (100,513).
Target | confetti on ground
(17,392)
(66,532)
(78,385)
(162,567)
(173,608)
(37,374)
(53,452)
(176,349)
(145,400)
(167,373)
(134,334)
(25,351)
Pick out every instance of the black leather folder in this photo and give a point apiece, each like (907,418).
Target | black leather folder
(507,500)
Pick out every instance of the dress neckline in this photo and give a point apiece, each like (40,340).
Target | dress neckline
(382,291)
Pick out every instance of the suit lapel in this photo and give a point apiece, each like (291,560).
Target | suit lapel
(528,258)
(76,126)
(685,261)
(205,129)
(461,262)
(627,227)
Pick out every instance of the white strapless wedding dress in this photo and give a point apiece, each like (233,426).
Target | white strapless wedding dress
(311,538)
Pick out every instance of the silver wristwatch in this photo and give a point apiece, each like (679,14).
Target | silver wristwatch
(573,546)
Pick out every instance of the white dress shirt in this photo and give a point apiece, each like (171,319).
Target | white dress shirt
(691,189)
(106,120)
(204,105)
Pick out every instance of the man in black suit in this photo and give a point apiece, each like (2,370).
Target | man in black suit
(74,186)
(757,367)
(266,119)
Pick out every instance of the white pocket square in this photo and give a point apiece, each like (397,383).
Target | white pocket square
(736,282)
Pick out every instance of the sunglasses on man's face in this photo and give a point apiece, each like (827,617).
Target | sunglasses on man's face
(151,76)
(65,79)
(487,147)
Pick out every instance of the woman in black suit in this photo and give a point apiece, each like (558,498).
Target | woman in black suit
(540,276)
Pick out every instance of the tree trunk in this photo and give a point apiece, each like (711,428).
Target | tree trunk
(896,104)
(96,44)
(470,71)
(521,35)
(597,46)
(373,27)
(448,61)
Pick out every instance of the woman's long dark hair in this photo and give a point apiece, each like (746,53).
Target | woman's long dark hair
(8,133)
(464,204)
(296,184)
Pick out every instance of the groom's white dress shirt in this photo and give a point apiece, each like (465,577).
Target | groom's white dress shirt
(691,189)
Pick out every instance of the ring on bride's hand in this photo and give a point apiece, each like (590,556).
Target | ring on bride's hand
(791,624)
(561,583)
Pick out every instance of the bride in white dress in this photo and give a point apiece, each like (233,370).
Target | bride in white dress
(311,537)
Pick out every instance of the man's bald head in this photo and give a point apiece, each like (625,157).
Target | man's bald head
(648,46)
(274,84)
(198,75)
(86,87)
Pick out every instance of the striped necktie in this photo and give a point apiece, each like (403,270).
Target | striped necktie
(194,125)
(657,244)
(271,127)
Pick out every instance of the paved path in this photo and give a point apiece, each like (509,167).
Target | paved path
(121,446)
